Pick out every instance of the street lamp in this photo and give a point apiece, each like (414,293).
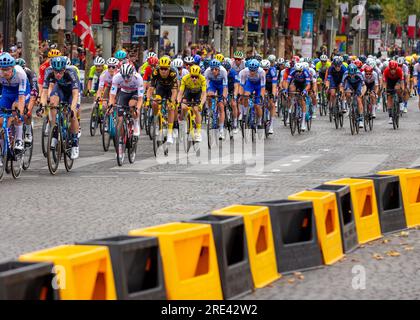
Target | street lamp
(331,18)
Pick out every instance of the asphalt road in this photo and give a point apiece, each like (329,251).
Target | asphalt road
(99,199)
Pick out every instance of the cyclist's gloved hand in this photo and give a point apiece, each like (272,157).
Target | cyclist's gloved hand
(304,92)
(39,110)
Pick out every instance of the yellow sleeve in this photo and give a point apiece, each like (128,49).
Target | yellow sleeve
(92,72)
(183,83)
(203,83)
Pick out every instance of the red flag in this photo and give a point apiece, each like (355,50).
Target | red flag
(96,12)
(411,32)
(399,31)
(295,14)
(234,13)
(83,28)
(269,13)
(344,22)
(203,13)
(123,6)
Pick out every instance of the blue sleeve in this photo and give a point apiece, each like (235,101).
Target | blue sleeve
(307,77)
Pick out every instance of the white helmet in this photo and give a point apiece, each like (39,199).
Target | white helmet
(68,61)
(177,63)
(302,59)
(112,61)
(280,61)
(127,70)
(287,64)
(151,54)
(265,64)
(299,66)
(368,61)
(385,64)
(99,61)
(189,60)
(400,60)
(323,58)
(271,58)
(228,60)
(372,63)
(378,62)
(305,65)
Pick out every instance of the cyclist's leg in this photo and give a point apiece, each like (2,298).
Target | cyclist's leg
(55,97)
(135,114)
(221,107)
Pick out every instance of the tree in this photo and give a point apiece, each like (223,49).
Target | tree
(30,27)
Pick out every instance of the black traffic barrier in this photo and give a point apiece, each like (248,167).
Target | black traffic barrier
(27,281)
(346,215)
(137,266)
(295,235)
(390,203)
(232,253)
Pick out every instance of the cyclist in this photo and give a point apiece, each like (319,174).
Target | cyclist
(416,75)
(334,80)
(129,84)
(94,74)
(164,84)
(153,62)
(321,67)
(178,65)
(299,80)
(193,89)
(217,83)
(64,86)
(239,63)
(271,89)
(51,54)
(188,62)
(220,57)
(121,55)
(144,65)
(353,82)
(105,80)
(313,90)
(33,83)
(406,71)
(393,80)
(15,93)
(233,91)
(372,86)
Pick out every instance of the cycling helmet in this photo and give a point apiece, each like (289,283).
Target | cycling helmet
(253,65)
(177,63)
(385,64)
(54,53)
(393,64)
(58,63)
(238,55)
(345,57)
(220,57)
(228,60)
(226,65)
(271,58)
(400,61)
(323,58)
(121,55)
(305,65)
(195,70)
(353,68)
(112,61)
(151,54)
(153,61)
(316,61)
(258,57)
(247,63)
(378,62)
(197,59)
(368,70)
(165,62)
(126,70)
(215,64)
(99,61)
(358,64)
(265,64)
(189,60)
(362,58)
(336,61)
(287,64)
(372,63)
(280,61)
(299,66)
(68,61)
(21,62)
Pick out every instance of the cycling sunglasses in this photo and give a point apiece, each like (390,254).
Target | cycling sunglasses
(194,77)
(112,67)
(164,69)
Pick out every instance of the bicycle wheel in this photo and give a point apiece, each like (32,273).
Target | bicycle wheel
(44,135)
(309,121)
(186,135)
(132,146)
(330,112)
(121,145)
(285,111)
(16,165)
(336,115)
(143,118)
(54,153)
(292,122)
(3,157)
(106,135)
(157,134)
(93,121)
(149,122)
(384,106)
(370,122)
(67,145)
(212,130)
(27,155)
(352,127)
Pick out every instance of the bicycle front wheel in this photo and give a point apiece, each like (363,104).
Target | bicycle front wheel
(54,149)
(106,136)
(44,135)
(120,140)
(93,121)
(67,145)
(27,155)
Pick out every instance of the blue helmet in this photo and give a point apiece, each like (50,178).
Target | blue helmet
(21,62)
(316,61)
(206,63)
(336,61)
(226,65)
(363,58)
(253,65)
(121,55)
(353,69)
(197,59)
(215,64)
(247,63)
(6,60)
(59,63)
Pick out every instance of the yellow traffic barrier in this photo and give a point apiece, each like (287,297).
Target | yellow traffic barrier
(327,222)
(259,234)
(365,207)
(410,189)
(82,272)
(189,260)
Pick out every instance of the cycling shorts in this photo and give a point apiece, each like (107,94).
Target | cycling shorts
(8,99)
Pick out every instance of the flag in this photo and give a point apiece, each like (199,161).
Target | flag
(411,32)
(269,13)
(123,6)
(398,30)
(96,12)
(234,13)
(83,28)
(203,13)
(344,8)
(295,13)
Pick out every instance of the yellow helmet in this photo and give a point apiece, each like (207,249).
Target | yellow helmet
(415,57)
(54,53)
(195,70)
(165,62)
(220,57)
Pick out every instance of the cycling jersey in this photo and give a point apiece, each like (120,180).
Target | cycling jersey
(233,78)
(17,86)
(182,74)
(322,69)
(188,84)
(335,77)
(259,77)
(302,77)
(143,68)
(271,79)
(238,68)
(399,75)
(169,82)
(105,79)
(134,84)
(220,79)
(42,70)
(94,76)
(147,73)
(354,83)
(416,71)
(33,81)
(64,87)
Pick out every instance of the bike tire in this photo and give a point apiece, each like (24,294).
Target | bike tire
(336,116)
(93,124)
(156,133)
(211,132)
(4,160)
(292,123)
(54,155)
(27,155)
(187,133)
(106,135)
(132,149)
(121,146)
(67,145)
(44,137)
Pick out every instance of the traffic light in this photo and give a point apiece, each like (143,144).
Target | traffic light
(157,14)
